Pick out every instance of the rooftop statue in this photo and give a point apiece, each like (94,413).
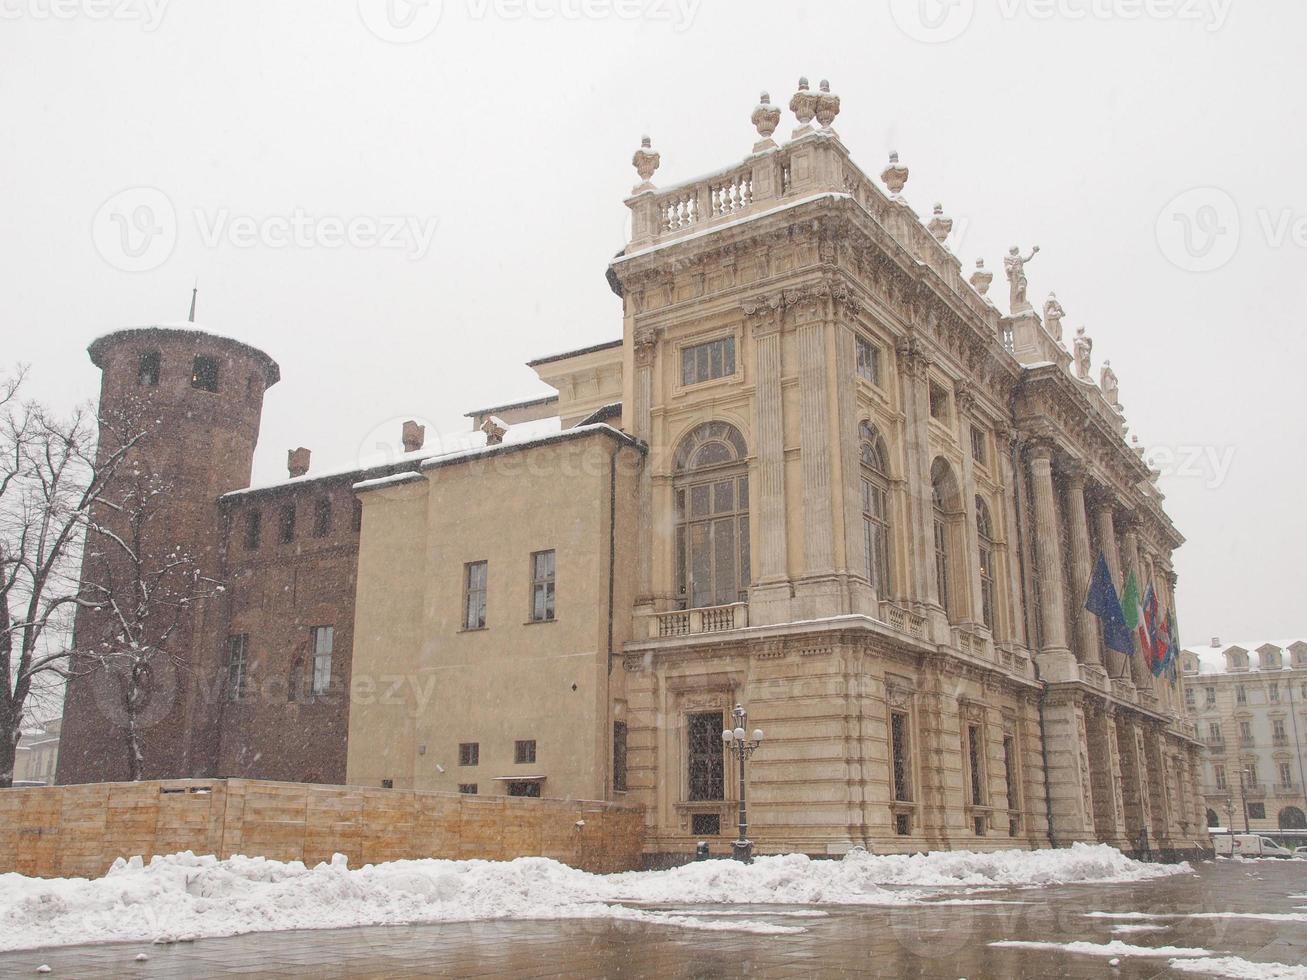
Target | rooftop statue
(1083,347)
(1053,314)
(1016,275)
(1111,388)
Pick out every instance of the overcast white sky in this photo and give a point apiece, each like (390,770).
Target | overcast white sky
(1072,124)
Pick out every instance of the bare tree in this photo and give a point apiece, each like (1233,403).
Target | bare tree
(51,478)
(140,590)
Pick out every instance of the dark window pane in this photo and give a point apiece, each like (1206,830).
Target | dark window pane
(705,757)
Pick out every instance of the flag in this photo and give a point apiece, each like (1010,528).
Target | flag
(1157,644)
(1104,604)
(1134,612)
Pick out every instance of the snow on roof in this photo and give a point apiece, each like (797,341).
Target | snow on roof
(382,462)
(96,347)
(1211,659)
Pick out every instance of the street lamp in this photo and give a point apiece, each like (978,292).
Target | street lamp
(1244,771)
(742,747)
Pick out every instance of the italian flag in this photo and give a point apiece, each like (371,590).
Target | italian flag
(1133,608)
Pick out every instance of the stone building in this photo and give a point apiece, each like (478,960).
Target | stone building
(820,475)
(1250,704)
(37,756)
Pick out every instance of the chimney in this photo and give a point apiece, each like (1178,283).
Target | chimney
(414,436)
(494,428)
(1216,641)
(297,461)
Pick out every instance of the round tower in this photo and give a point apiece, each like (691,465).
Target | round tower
(193,400)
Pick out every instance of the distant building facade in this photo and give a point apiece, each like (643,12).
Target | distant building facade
(37,757)
(818,475)
(1250,704)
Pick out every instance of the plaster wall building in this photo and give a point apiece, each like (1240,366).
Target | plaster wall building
(1250,704)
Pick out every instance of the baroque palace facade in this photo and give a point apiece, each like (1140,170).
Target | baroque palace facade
(820,475)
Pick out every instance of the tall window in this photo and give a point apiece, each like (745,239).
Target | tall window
(1240,695)
(703,362)
(985,545)
(147,374)
(204,374)
(1274,691)
(542,586)
(944,495)
(868,361)
(1189,697)
(978,445)
(875,508)
(1214,731)
(253,530)
(1246,731)
(287,524)
(705,763)
(1219,770)
(322,517)
(1278,731)
(324,638)
(1209,696)
(237,665)
(1010,778)
(1286,774)
(938,402)
(619,755)
(1250,774)
(711,489)
(900,750)
(474,595)
(976,764)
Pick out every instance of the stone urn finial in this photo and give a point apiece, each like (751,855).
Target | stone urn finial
(828,105)
(766,117)
(804,107)
(981,278)
(645,162)
(940,224)
(895,175)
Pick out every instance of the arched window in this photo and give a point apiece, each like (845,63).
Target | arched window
(1212,819)
(985,546)
(1292,818)
(875,508)
(944,497)
(711,490)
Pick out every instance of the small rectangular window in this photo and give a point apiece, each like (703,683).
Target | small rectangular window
(237,645)
(524,787)
(469,753)
(704,362)
(387,784)
(468,789)
(1256,811)
(868,361)
(253,530)
(706,824)
(147,374)
(542,586)
(978,445)
(619,756)
(903,824)
(474,595)
(204,374)
(324,639)
(322,517)
(938,402)
(287,523)
(524,751)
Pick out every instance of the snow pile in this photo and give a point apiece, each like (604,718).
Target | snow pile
(1114,948)
(1239,968)
(184,896)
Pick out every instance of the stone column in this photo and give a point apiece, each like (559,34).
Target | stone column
(913,367)
(861,598)
(769,600)
(965,402)
(1139,672)
(1086,624)
(1016,615)
(818,588)
(1117,668)
(1056,661)
(645,349)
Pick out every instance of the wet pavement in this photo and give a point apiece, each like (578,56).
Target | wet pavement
(947,941)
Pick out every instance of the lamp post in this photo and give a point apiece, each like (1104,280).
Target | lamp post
(742,747)
(1244,772)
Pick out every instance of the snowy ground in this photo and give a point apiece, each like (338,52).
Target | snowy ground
(184,896)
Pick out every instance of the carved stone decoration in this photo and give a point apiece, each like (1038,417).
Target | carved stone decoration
(1015,266)
(804,107)
(494,428)
(1111,387)
(828,105)
(1082,348)
(981,278)
(895,175)
(646,343)
(766,117)
(1053,314)
(940,224)
(645,162)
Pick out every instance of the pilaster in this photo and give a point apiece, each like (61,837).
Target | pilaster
(1086,629)
(1055,660)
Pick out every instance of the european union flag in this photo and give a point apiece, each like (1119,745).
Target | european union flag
(1104,604)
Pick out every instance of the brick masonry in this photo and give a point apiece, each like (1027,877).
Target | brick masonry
(78,831)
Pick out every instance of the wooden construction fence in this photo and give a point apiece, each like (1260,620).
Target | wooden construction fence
(78,831)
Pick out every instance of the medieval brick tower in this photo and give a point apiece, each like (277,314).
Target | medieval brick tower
(195,400)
